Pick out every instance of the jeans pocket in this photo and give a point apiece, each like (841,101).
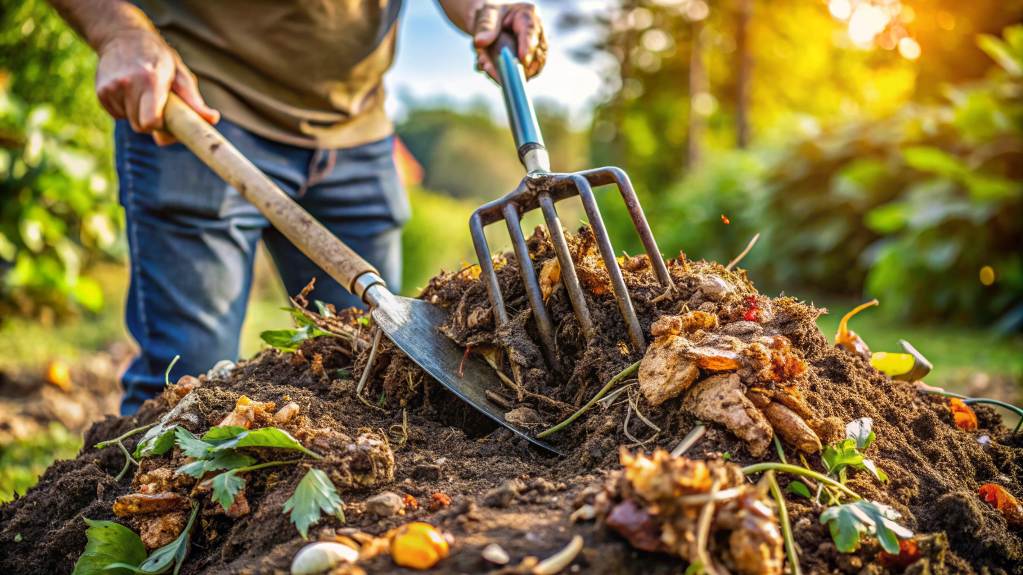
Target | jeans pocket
(168,179)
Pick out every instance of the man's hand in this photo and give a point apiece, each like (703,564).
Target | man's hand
(522,19)
(136,72)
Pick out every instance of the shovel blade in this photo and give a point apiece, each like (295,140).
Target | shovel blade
(413,326)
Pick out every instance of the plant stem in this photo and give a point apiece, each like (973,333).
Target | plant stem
(781,452)
(166,376)
(624,373)
(127,462)
(125,436)
(969,400)
(1011,408)
(262,465)
(795,470)
(786,527)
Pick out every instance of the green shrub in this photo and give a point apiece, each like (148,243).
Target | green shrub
(23,461)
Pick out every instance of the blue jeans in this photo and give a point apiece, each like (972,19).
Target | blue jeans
(193,240)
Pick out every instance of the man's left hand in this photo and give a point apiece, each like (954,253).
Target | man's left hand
(524,21)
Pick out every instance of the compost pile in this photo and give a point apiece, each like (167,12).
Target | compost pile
(744,366)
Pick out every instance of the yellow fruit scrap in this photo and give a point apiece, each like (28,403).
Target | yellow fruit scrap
(892,363)
(418,546)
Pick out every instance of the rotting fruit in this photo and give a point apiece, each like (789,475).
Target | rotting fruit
(1002,500)
(418,546)
(964,416)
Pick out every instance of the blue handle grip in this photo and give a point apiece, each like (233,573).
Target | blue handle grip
(521,115)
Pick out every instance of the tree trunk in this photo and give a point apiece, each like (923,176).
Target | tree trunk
(745,73)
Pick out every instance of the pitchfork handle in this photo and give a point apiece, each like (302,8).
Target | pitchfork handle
(304,231)
(521,116)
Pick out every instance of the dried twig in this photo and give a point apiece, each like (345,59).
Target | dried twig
(369,362)
(689,440)
(403,428)
(732,263)
(522,394)
(703,531)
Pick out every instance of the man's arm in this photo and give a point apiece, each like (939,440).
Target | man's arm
(137,69)
(484,21)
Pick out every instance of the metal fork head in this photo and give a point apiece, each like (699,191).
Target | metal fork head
(542,191)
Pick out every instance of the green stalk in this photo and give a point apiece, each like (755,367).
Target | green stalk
(1011,408)
(166,375)
(625,373)
(795,470)
(127,463)
(783,519)
(969,400)
(262,465)
(781,452)
(125,436)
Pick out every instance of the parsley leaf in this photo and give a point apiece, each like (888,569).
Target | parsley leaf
(229,459)
(226,486)
(109,543)
(315,493)
(847,522)
(191,445)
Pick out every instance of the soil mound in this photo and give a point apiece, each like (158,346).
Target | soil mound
(504,491)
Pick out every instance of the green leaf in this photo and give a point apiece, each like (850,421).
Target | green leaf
(845,526)
(860,432)
(191,445)
(171,554)
(842,455)
(218,435)
(109,543)
(196,469)
(315,493)
(157,441)
(935,160)
(279,338)
(695,568)
(226,486)
(324,310)
(228,459)
(1001,53)
(798,488)
(88,292)
(265,437)
(847,522)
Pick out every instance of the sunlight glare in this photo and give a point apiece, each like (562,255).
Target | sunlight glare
(840,9)
(866,22)
(909,48)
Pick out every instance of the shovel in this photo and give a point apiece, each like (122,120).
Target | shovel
(410,323)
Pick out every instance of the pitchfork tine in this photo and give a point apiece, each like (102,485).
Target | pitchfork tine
(568,275)
(533,291)
(610,261)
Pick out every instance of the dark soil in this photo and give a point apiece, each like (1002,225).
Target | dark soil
(503,490)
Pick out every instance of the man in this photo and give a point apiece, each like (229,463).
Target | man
(299,86)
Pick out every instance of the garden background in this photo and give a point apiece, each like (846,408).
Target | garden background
(875,146)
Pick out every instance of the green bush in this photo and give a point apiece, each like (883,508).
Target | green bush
(58,208)
(908,209)
(23,461)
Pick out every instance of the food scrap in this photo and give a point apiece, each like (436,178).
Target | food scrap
(996,496)
(965,418)
(417,546)
(847,339)
(724,219)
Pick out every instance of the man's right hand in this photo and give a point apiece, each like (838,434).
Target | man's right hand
(136,72)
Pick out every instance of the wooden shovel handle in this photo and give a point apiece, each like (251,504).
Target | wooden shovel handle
(308,235)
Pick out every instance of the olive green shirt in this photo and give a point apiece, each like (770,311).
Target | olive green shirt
(302,72)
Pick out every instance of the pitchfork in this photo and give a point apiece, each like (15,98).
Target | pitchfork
(541,189)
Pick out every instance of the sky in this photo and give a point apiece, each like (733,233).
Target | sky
(435,60)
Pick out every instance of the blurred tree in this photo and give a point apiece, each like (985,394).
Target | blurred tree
(58,209)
